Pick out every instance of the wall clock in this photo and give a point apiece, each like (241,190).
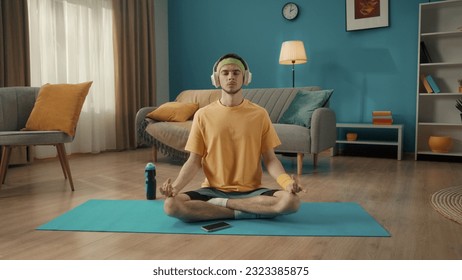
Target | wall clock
(290,11)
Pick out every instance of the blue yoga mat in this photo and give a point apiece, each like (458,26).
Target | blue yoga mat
(144,216)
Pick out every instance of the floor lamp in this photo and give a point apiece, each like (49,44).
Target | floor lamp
(292,52)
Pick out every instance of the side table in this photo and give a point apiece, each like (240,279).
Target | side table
(398,142)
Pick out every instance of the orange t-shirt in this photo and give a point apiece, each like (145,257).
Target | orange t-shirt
(231,141)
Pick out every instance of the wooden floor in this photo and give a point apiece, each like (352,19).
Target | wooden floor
(395,192)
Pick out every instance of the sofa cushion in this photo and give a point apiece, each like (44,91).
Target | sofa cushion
(303,105)
(174,112)
(58,107)
(294,138)
(172,134)
(274,100)
(35,137)
(201,97)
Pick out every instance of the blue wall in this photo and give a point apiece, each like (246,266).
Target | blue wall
(372,69)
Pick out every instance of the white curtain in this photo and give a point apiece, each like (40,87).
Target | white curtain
(71,42)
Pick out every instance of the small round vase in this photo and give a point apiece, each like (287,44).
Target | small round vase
(440,144)
(350,136)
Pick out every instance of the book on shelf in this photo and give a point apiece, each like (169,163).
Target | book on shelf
(382,121)
(424,54)
(381,113)
(425,83)
(382,117)
(433,84)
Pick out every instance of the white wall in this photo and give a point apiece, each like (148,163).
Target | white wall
(161,22)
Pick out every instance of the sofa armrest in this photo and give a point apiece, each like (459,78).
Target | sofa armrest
(140,125)
(323,130)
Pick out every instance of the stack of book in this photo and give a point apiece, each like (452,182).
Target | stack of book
(382,117)
(429,84)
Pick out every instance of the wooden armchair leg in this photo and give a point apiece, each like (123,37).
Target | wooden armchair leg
(65,163)
(315,160)
(61,160)
(299,163)
(6,153)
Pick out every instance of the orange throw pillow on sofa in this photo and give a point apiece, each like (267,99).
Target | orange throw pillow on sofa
(174,112)
(58,107)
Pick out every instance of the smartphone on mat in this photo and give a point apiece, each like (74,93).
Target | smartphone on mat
(216,226)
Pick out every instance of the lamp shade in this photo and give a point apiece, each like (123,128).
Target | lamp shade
(292,52)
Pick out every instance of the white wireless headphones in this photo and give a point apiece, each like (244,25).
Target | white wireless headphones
(215,77)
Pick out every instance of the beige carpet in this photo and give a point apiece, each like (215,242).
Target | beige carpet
(448,202)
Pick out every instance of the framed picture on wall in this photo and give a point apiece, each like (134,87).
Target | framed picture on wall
(365,14)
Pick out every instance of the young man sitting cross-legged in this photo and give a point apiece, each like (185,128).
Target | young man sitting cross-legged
(228,138)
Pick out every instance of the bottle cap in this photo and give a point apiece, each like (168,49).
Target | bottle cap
(150,166)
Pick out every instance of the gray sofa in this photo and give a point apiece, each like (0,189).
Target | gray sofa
(170,137)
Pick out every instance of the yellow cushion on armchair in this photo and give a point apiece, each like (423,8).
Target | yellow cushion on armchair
(58,107)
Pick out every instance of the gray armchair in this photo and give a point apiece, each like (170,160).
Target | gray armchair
(16,104)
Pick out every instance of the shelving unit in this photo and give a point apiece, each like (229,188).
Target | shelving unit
(440,29)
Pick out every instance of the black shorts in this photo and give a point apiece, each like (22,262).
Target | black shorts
(205,194)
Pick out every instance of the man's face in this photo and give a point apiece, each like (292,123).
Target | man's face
(231,78)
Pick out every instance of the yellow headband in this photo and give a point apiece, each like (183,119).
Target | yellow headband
(231,60)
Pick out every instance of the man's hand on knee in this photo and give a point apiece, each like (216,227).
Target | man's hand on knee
(290,183)
(167,189)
